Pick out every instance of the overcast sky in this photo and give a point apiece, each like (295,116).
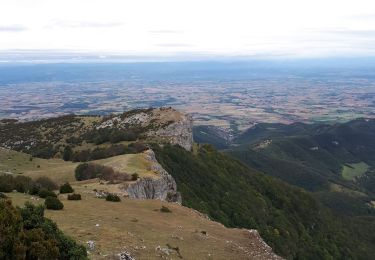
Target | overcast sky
(192,27)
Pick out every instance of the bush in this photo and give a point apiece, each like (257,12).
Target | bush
(34,190)
(44,193)
(68,153)
(66,188)
(46,183)
(29,235)
(112,197)
(86,171)
(6,183)
(74,196)
(22,183)
(165,209)
(53,203)
(134,176)
(9,183)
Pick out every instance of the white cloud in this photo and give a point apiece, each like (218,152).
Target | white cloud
(12,28)
(214,27)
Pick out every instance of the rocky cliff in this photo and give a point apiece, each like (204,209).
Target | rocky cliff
(159,125)
(162,186)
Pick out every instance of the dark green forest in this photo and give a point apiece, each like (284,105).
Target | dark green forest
(294,223)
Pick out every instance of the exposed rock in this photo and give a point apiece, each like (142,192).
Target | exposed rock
(163,124)
(179,132)
(125,256)
(90,245)
(162,186)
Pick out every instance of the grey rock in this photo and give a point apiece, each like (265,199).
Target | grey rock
(125,256)
(180,132)
(162,187)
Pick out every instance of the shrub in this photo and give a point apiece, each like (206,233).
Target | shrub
(165,209)
(74,196)
(6,183)
(80,171)
(134,176)
(34,190)
(53,203)
(137,147)
(47,183)
(22,183)
(86,171)
(112,197)
(66,188)
(33,219)
(44,193)
(68,153)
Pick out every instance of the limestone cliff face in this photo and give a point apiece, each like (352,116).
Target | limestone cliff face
(179,132)
(162,186)
(163,125)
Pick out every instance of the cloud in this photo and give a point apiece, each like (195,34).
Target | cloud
(362,17)
(83,24)
(171,45)
(165,31)
(13,28)
(357,33)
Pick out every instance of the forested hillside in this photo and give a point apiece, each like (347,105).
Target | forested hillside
(293,223)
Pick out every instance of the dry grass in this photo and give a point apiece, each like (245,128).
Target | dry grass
(139,227)
(136,226)
(61,171)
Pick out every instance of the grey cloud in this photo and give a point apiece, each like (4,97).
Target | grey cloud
(12,28)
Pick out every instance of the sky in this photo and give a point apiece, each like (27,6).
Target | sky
(255,28)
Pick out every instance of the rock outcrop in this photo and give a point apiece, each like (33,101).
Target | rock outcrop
(162,186)
(179,132)
(163,125)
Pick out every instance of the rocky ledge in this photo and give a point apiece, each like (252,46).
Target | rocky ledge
(162,186)
(162,125)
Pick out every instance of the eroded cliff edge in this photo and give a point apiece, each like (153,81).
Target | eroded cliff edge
(162,186)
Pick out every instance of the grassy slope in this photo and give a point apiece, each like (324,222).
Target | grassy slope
(139,227)
(130,225)
(62,171)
